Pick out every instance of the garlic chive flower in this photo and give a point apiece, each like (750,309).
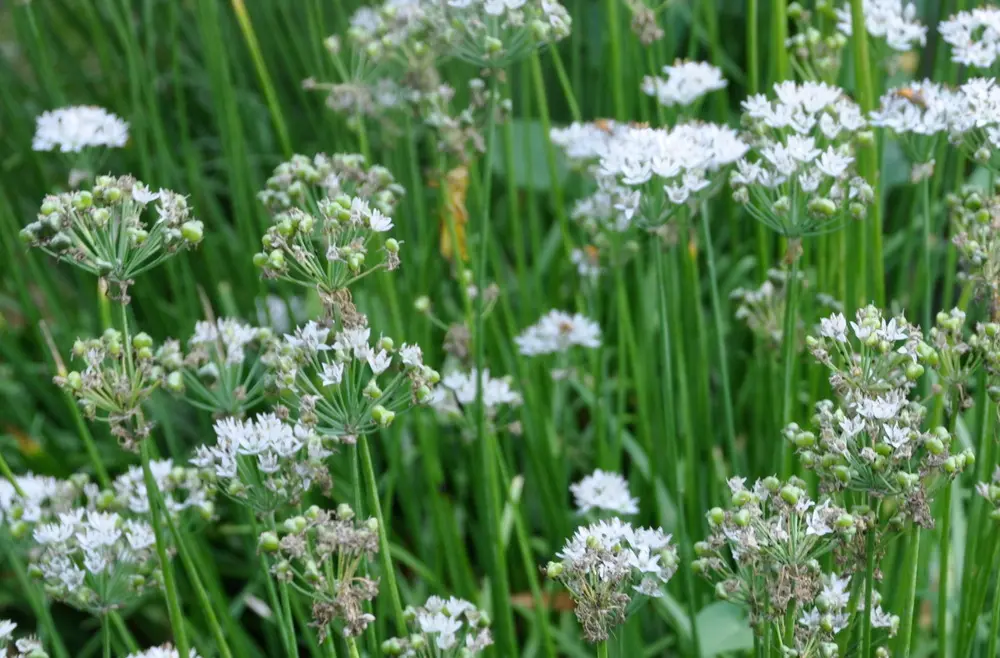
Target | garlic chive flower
(670,168)
(917,115)
(25,647)
(303,181)
(763,552)
(95,561)
(102,230)
(455,396)
(799,178)
(343,242)
(763,308)
(991,492)
(557,332)
(181,488)
(497,33)
(974,36)
(222,371)
(117,380)
(685,83)
(606,565)
(73,129)
(584,144)
(265,462)
(602,491)
(44,498)
(165,651)
(322,553)
(872,440)
(353,386)
(442,628)
(975,231)
(893,21)
(975,122)
(954,356)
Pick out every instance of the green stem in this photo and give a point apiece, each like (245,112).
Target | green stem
(943,573)
(727,396)
(602,650)
(352,648)
(169,584)
(106,636)
(994,622)
(615,68)
(788,347)
(866,617)
(925,195)
(909,597)
(385,554)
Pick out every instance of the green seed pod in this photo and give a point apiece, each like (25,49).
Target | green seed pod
(193,231)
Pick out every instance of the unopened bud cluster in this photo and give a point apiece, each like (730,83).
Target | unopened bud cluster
(103,231)
(442,628)
(322,552)
(975,230)
(117,378)
(353,386)
(303,181)
(763,552)
(991,492)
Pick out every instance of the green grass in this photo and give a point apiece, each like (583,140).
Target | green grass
(678,401)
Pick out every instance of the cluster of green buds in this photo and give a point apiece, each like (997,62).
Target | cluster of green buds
(459,133)
(329,251)
(816,48)
(763,552)
(392,35)
(303,182)
(975,227)
(953,356)
(103,232)
(120,374)
(986,342)
(222,372)
(322,554)
(991,492)
(352,387)
(442,628)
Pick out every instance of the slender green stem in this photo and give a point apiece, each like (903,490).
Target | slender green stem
(928,302)
(788,342)
(613,30)
(564,83)
(667,380)
(272,593)
(106,636)
(779,28)
(602,650)
(991,649)
(944,567)
(866,617)
(727,396)
(905,640)
(169,584)
(385,554)
(352,648)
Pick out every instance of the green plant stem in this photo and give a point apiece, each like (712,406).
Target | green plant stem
(169,584)
(385,554)
(602,650)
(106,636)
(944,549)
(352,648)
(667,381)
(727,396)
(615,69)
(905,640)
(866,617)
(925,197)
(788,343)
(991,649)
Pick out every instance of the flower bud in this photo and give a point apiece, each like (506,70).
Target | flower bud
(269,542)
(422,304)
(823,207)
(742,518)
(392,246)
(554,569)
(193,231)
(716,516)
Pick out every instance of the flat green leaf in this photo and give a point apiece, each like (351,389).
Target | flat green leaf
(722,628)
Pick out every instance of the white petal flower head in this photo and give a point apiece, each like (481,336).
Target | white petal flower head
(685,82)
(558,331)
(604,491)
(379,222)
(72,129)
(974,36)
(311,338)
(165,651)
(7,628)
(834,327)
(332,375)
(895,21)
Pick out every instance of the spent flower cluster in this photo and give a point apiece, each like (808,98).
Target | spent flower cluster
(322,552)
(605,565)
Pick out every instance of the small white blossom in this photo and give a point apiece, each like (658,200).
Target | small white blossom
(685,82)
(603,491)
(558,331)
(72,129)
(893,20)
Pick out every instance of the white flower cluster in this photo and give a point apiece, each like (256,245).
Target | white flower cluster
(974,36)
(830,614)
(351,387)
(680,161)
(95,560)
(584,143)
(447,628)
(458,391)
(26,647)
(893,20)
(799,176)
(493,31)
(180,489)
(165,651)
(604,492)
(264,462)
(228,337)
(685,83)
(558,331)
(922,108)
(610,209)
(604,564)
(72,129)
(44,497)
(975,121)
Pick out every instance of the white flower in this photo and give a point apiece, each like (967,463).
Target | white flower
(557,332)
(606,491)
(411,355)
(379,362)
(165,651)
(834,327)
(379,222)
(72,129)
(332,374)
(6,631)
(685,83)
(892,20)
(816,522)
(142,194)
(834,163)
(974,36)
(311,338)
(462,385)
